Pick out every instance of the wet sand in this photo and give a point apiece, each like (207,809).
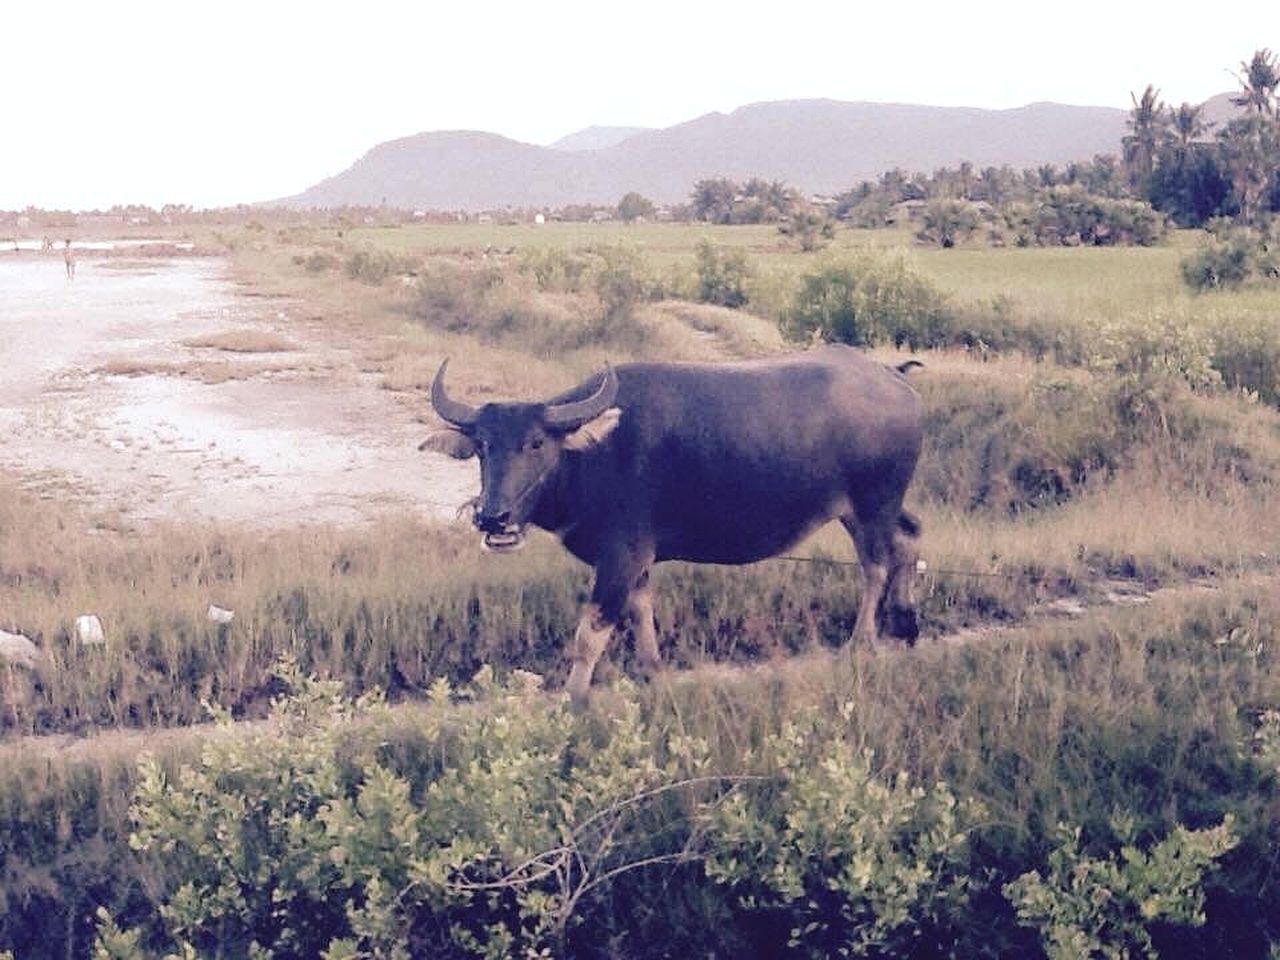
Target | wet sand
(101,401)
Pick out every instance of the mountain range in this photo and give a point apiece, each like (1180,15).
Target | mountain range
(819,146)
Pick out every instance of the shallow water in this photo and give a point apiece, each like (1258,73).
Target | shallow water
(304,437)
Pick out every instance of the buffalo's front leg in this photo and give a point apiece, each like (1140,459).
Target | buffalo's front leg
(621,581)
(589,642)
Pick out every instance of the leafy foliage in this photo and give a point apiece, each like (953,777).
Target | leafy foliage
(723,276)
(859,865)
(634,206)
(866,301)
(1233,256)
(1070,215)
(296,842)
(1105,907)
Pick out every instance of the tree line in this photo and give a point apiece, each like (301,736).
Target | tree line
(1172,158)
(1175,159)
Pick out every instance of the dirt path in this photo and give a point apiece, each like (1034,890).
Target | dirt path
(131,388)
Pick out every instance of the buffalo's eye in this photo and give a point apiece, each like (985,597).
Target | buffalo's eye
(536,443)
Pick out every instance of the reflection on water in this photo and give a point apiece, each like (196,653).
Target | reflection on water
(91,245)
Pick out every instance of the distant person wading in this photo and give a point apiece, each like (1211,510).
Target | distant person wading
(69,258)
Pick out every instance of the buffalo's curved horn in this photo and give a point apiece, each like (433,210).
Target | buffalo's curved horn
(450,411)
(569,416)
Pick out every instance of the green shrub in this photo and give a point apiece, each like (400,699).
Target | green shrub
(557,270)
(1091,907)
(462,298)
(1233,255)
(866,301)
(320,261)
(622,282)
(852,863)
(374,266)
(948,222)
(811,227)
(502,824)
(1218,265)
(723,276)
(1071,215)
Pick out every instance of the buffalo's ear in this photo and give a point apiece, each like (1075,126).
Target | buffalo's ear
(451,443)
(593,431)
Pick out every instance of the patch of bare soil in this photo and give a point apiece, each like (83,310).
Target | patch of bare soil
(163,392)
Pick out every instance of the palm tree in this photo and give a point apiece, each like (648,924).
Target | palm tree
(1251,143)
(1147,123)
(1259,79)
(1187,124)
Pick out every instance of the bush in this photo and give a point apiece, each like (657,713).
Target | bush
(320,261)
(1231,257)
(462,298)
(1090,907)
(1246,353)
(850,863)
(1218,265)
(556,270)
(493,823)
(948,222)
(1072,216)
(553,301)
(723,276)
(490,832)
(813,228)
(374,266)
(867,301)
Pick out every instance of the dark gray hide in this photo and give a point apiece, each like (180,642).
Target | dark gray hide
(706,463)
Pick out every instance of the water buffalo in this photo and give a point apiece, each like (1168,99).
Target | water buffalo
(708,463)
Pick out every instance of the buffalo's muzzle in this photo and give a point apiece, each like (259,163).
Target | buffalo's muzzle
(500,534)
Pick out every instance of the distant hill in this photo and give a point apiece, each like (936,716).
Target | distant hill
(820,146)
(1219,110)
(597,138)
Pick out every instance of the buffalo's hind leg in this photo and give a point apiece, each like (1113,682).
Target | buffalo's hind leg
(875,550)
(644,628)
(898,616)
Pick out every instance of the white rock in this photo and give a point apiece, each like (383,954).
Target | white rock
(217,614)
(89,630)
(921,566)
(19,651)
(1067,607)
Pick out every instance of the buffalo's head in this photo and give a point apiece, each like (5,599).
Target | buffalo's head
(520,446)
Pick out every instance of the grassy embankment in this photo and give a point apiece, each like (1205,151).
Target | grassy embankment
(1042,478)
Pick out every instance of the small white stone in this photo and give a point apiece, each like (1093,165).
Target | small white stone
(921,566)
(89,630)
(217,614)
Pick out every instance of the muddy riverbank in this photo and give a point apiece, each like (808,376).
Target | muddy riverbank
(157,389)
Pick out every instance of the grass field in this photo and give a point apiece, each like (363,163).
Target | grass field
(1102,526)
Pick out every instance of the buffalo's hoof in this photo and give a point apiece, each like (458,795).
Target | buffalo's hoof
(903,624)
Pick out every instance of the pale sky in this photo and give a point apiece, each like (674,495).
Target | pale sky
(215,103)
